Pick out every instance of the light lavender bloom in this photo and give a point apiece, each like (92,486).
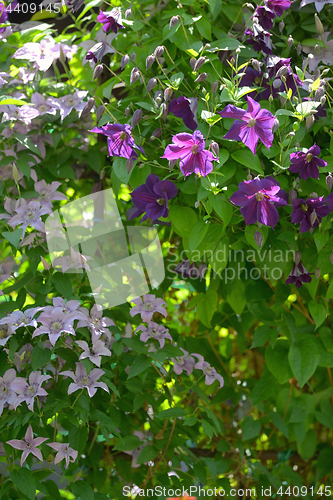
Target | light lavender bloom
(209,371)
(98,349)
(38,140)
(54,324)
(183,363)
(24,76)
(29,214)
(28,445)
(28,391)
(76,260)
(154,331)
(5,270)
(49,192)
(42,105)
(147,306)
(44,53)
(23,356)
(19,318)
(64,452)
(82,380)
(96,322)
(7,395)
(6,332)
(71,101)
(24,113)
(68,306)
(324,55)
(319,4)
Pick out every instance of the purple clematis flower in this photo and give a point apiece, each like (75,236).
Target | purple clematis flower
(94,354)
(29,214)
(28,445)
(28,391)
(307,163)
(187,270)
(186,110)
(154,331)
(273,64)
(265,17)
(82,380)
(7,395)
(64,452)
(253,78)
(257,199)
(250,125)
(147,306)
(96,322)
(19,318)
(183,363)
(309,213)
(152,198)
(111,20)
(190,150)
(278,6)
(209,371)
(259,38)
(120,140)
(299,275)
(55,323)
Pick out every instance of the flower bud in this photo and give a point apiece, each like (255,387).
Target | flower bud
(297,257)
(201,78)
(331,258)
(248,177)
(284,70)
(256,64)
(317,49)
(137,115)
(317,273)
(164,111)
(129,165)
(159,51)
(99,112)
(135,75)
(16,174)
(197,204)
(319,25)
(323,100)
(281,26)
(127,111)
(193,62)
(123,61)
(276,125)
(299,49)
(97,71)
(258,238)
(292,195)
(88,107)
(215,148)
(309,122)
(128,13)
(329,181)
(133,56)
(158,100)
(172,163)
(277,82)
(319,93)
(149,61)
(313,217)
(46,265)
(173,22)
(157,133)
(271,98)
(199,63)
(215,86)
(151,84)
(167,94)
(62,56)
(249,6)
(290,42)
(313,195)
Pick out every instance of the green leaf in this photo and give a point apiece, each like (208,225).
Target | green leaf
(77,438)
(24,167)
(303,358)
(24,481)
(171,413)
(277,361)
(191,421)
(285,112)
(39,357)
(219,259)
(325,463)
(206,307)
(208,429)
(82,490)
(308,447)
(182,220)
(264,388)
(177,79)
(147,454)
(226,44)
(320,240)
(128,443)
(223,208)
(210,118)
(204,29)
(318,312)
(63,284)
(261,335)
(13,237)
(279,422)
(12,101)
(247,158)
(140,364)
(119,168)
(250,428)
(261,311)
(198,233)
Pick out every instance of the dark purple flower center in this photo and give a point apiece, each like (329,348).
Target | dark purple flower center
(309,157)
(122,136)
(251,122)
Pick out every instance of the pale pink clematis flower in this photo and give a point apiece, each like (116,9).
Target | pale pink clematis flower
(5,270)
(7,395)
(49,192)
(43,53)
(23,356)
(29,214)
(147,306)
(98,349)
(96,322)
(64,452)
(19,318)
(28,391)
(28,445)
(54,324)
(6,331)
(183,363)
(209,371)
(154,331)
(82,380)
